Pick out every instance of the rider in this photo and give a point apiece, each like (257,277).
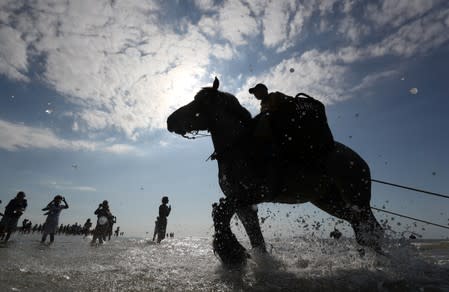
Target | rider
(269,106)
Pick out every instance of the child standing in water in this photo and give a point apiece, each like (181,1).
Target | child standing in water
(54,209)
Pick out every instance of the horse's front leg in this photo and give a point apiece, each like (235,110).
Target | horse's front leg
(250,220)
(225,244)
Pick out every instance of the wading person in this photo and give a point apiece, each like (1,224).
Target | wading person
(13,211)
(86,227)
(104,216)
(53,209)
(161,222)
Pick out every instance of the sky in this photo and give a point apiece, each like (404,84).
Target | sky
(87,86)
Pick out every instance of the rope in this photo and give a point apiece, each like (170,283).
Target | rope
(409,188)
(419,220)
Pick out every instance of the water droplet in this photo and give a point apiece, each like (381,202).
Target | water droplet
(197,114)
(49,111)
(413,90)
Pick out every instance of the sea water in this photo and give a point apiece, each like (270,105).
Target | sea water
(189,264)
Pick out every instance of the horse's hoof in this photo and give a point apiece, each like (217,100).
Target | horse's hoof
(231,253)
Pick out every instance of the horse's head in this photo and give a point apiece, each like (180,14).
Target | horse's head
(209,107)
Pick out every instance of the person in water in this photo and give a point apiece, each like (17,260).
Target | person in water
(86,227)
(13,211)
(112,221)
(53,209)
(104,216)
(161,222)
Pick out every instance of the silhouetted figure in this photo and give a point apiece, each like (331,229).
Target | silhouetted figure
(86,227)
(290,127)
(242,173)
(264,132)
(112,221)
(53,209)
(335,234)
(104,216)
(155,228)
(28,227)
(13,211)
(161,222)
(117,231)
(24,224)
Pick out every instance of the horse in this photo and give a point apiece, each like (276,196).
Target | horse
(340,187)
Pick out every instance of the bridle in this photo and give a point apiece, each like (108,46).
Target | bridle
(194,135)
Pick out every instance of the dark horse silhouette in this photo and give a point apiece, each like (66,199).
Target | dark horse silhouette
(341,186)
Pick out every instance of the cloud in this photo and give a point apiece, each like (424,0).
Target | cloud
(394,13)
(370,80)
(68,186)
(417,37)
(15,137)
(127,67)
(118,62)
(13,54)
(120,149)
(316,73)
(232,22)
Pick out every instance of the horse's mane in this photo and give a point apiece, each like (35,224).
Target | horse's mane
(230,102)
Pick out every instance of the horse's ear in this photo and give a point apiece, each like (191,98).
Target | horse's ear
(216,83)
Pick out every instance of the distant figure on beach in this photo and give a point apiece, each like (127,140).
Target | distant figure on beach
(335,234)
(53,209)
(13,211)
(104,216)
(112,221)
(117,231)
(155,228)
(161,222)
(86,227)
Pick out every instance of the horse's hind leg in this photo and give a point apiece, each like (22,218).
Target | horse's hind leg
(367,230)
(250,220)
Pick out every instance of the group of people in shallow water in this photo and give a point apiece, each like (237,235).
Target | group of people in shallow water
(102,231)
(68,229)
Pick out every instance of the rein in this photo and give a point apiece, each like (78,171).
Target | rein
(195,135)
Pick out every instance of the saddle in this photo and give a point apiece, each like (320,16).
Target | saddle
(298,129)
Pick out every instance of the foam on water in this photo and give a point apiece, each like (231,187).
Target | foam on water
(188,264)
